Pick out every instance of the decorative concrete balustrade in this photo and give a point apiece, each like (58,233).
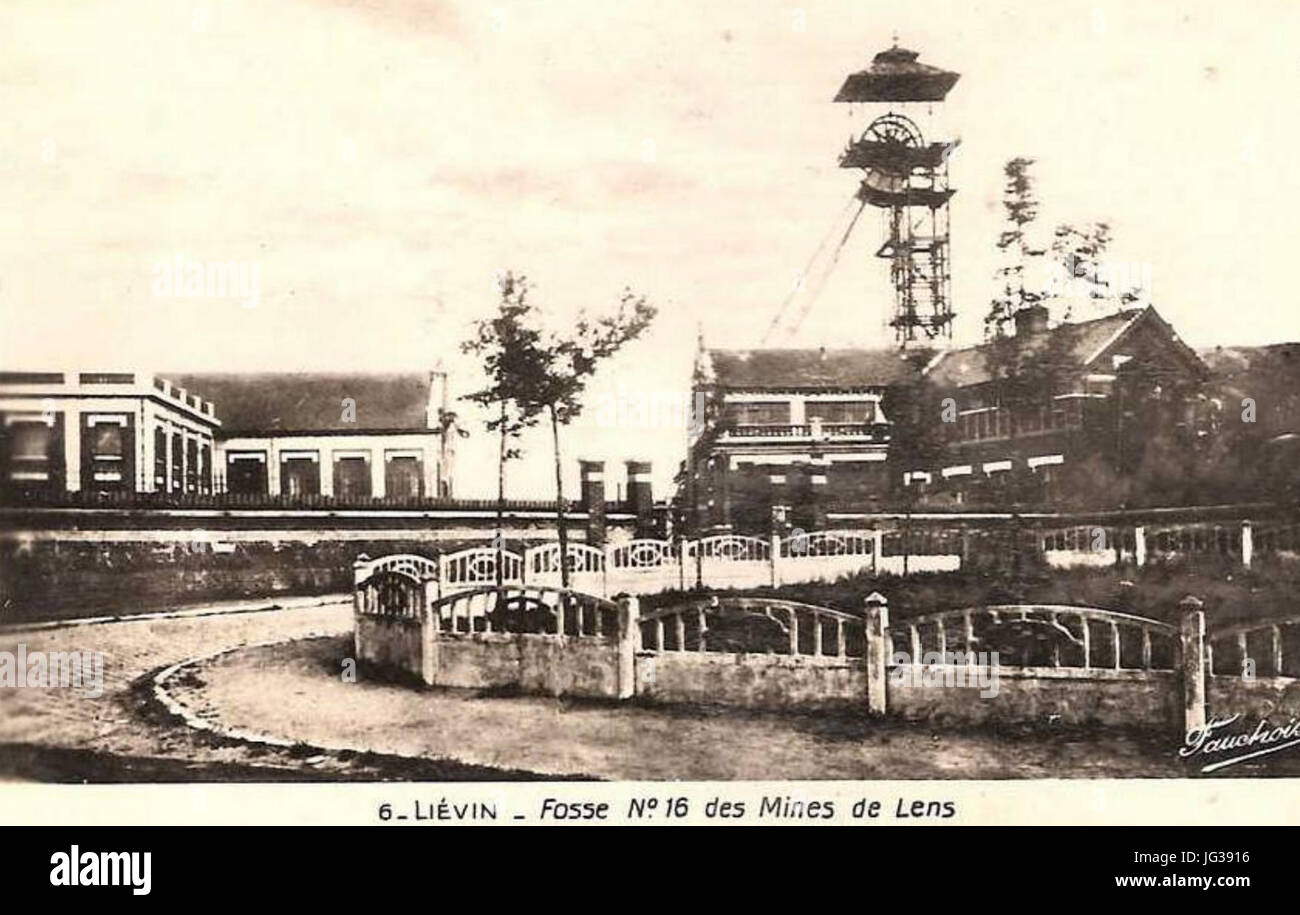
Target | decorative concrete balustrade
(1059,664)
(539,639)
(1106,545)
(647,566)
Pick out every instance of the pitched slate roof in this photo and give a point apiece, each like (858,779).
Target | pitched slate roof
(808,368)
(1085,340)
(313,402)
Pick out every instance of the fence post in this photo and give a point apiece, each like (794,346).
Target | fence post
(359,569)
(1247,544)
(429,632)
(776,560)
(1140,545)
(629,638)
(1192,630)
(878,651)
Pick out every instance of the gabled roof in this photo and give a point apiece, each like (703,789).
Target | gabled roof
(283,402)
(770,369)
(1085,343)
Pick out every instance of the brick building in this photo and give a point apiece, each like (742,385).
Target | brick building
(1047,415)
(1051,413)
(784,434)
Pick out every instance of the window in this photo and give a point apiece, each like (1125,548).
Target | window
(30,441)
(352,477)
(246,473)
(178,465)
(839,411)
(300,474)
(30,452)
(191,465)
(403,476)
(205,467)
(747,414)
(107,459)
(160,459)
(106,442)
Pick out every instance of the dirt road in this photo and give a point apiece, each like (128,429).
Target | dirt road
(61,735)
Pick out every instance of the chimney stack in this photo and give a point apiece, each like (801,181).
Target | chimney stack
(640,500)
(1031,320)
(592,474)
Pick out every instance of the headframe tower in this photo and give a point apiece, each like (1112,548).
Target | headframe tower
(907,179)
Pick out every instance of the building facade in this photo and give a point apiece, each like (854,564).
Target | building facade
(1054,413)
(349,437)
(1050,415)
(780,436)
(104,431)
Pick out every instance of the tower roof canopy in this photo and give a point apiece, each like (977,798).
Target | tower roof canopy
(895,75)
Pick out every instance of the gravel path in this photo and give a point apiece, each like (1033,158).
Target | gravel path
(63,736)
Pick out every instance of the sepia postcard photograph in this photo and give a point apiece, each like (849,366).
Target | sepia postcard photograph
(436,412)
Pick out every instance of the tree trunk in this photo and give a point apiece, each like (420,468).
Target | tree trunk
(559,503)
(501,495)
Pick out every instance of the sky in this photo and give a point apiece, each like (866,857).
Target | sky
(374,166)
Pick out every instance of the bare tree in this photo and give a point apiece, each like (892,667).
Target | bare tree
(535,373)
(1020,204)
(507,346)
(565,364)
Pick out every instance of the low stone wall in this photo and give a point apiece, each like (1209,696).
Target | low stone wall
(480,661)
(759,681)
(1276,698)
(827,659)
(1122,698)
(548,664)
(393,643)
(566,666)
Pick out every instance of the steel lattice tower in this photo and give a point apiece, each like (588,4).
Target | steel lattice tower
(907,178)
